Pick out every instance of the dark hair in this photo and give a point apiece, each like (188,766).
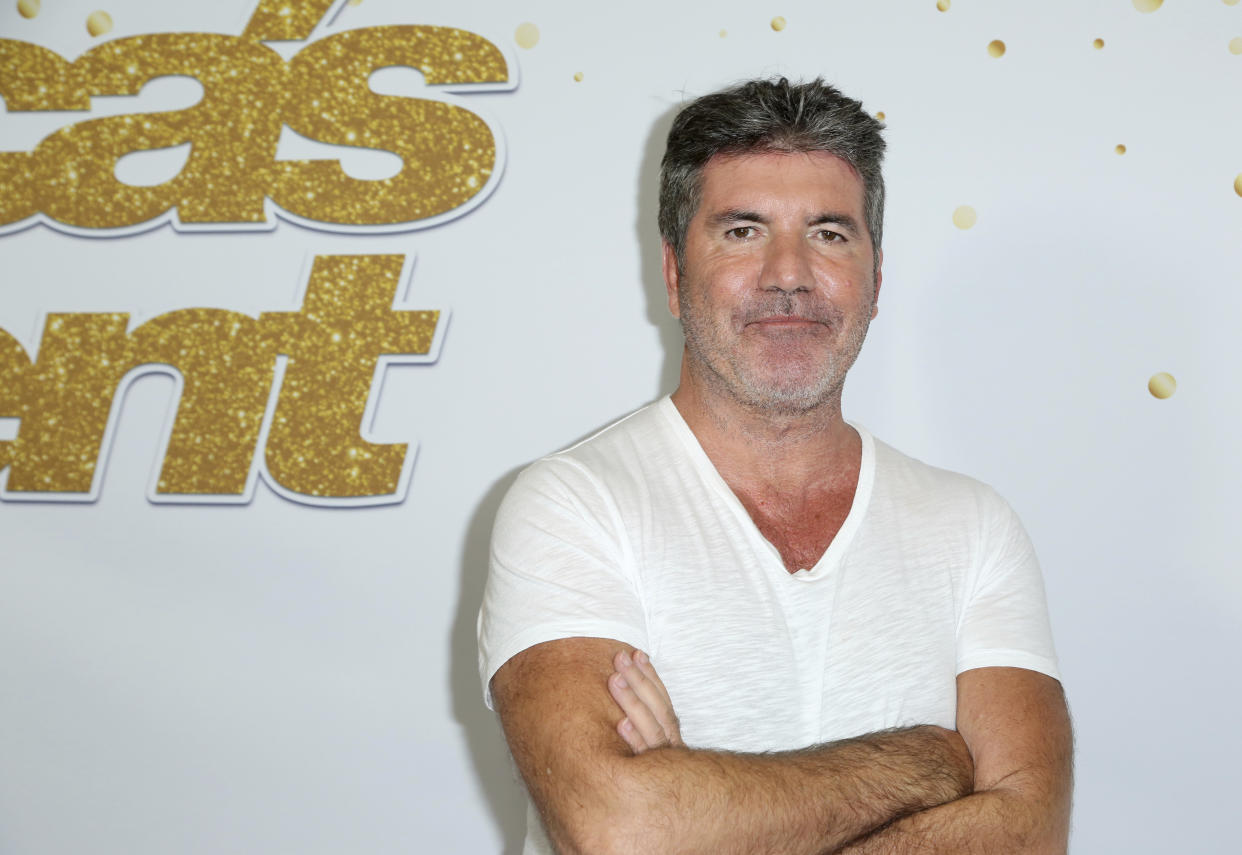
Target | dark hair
(767,115)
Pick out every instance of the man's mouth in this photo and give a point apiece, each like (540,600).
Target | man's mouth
(788,322)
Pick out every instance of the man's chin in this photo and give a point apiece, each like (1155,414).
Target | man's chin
(785,399)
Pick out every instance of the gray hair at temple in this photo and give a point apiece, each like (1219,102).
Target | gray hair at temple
(761,116)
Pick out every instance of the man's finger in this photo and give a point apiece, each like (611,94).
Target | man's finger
(637,711)
(651,688)
(631,736)
(651,693)
(643,661)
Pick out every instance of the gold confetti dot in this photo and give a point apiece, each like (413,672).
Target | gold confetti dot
(1148,5)
(942,5)
(1231,2)
(880,115)
(996,48)
(578,76)
(28,8)
(98,23)
(1235,46)
(526,35)
(1237,184)
(964,217)
(778,23)
(1162,385)
(1098,44)
(1120,149)
(724,33)
(355,2)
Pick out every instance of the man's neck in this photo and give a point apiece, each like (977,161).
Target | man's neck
(770,452)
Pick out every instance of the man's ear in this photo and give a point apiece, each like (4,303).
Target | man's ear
(671,278)
(879,277)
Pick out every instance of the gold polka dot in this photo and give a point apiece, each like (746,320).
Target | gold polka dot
(1235,46)
(1237,184)
(1148,5)
(1231,2)
(578,76)
(942,5)
(355,2)
(778,23)
(28,8)
(1162,385)
(98,23)
(724,33)
(965,217)
(880,115)
(1120,149)
(1098,44)
(996,48)
(526,35)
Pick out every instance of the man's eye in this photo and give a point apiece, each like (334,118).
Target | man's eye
(742,232)
(829,235)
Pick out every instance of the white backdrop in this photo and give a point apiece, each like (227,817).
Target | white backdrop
(280,677)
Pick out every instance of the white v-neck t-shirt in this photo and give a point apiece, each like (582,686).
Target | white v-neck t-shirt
(633,535)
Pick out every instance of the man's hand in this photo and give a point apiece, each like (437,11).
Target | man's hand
(1018,729)
(649,718)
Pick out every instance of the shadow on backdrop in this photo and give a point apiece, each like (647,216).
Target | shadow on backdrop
(493,768)
(647,233)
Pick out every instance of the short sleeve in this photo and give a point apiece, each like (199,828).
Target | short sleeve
(1004,619)
(558,568)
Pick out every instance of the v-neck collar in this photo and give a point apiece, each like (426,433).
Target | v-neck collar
(845,535)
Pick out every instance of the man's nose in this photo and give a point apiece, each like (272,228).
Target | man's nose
(786,266)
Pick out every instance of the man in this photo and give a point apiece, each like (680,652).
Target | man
(853,647)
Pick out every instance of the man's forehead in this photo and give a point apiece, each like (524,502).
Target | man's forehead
(777,174)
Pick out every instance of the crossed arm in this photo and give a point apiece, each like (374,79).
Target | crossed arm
(1015,723)
(604,782)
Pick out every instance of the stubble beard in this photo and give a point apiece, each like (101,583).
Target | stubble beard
(717,356)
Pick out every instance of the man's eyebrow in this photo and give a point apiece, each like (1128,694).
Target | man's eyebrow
(736,215)
(826,218)
(830,218)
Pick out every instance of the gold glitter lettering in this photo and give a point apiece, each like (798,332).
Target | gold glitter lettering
(19,187)
(227,369)
(234,130)
(14,366)
(448,152)
(35,78)
(346,323)
(226,361)
(66,399)
(65,402)
(286,20)
(32,78)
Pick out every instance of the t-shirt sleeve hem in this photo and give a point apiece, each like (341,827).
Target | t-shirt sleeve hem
(1009,659)
(553,632)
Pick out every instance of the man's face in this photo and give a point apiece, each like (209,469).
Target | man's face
(778,285)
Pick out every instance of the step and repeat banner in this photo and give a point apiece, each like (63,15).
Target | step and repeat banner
(290,290)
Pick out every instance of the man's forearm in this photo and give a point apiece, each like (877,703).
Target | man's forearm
(986,822)
(809,801)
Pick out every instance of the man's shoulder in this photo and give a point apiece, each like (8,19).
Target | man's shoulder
(612,456)
(617,446)
(916,482)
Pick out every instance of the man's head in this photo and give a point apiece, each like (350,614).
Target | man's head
(767,115)
(770,206)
